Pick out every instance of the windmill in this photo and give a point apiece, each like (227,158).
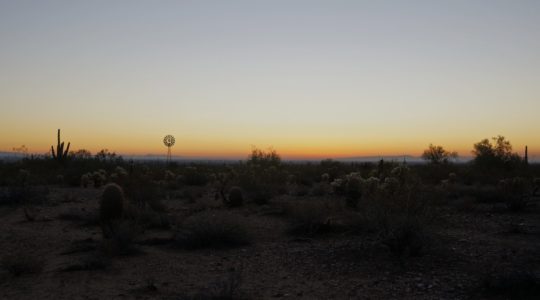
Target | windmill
(169,141)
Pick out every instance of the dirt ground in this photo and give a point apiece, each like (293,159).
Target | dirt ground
(466,245)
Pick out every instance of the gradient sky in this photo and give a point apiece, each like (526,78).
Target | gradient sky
(309,78)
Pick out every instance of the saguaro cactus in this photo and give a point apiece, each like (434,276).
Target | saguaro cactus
(60,155)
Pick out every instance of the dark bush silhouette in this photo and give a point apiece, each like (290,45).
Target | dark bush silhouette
(438,155)
(496,155)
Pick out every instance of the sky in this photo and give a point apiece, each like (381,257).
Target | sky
(312,79)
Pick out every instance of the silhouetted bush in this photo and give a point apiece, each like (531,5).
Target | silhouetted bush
(438,155)
(212,229)
(406,237)
(310,218)
(498,155)
(516,193)
(194,176)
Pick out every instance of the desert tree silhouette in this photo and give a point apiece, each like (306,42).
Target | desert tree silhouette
(438,155)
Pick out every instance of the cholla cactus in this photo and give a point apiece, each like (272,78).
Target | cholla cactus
(349,186)
(370,185)
(86,179)
(337,185)
(114,177)
(121,172)
(353,175)
(391,184)
(99,177)
(325,177)
(400,172)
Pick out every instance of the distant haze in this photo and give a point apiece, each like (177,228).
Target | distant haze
(312,79)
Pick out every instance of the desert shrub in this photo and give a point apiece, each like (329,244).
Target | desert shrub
(263,193)
(212,229)
(495,156)
(353,189)
(147,218)
(194,176)
(406,238)
(299,190)
(86,179)
(310,218)
(264,159)
(320,189)
(22,263)
(143,192)
(515,193)
(438,155)
(262,177)
(338,186)
(121,172)
(399,209)
(99,178)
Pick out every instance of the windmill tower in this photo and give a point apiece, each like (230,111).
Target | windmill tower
(169,141)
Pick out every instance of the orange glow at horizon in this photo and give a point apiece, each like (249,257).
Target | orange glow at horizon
(238,148)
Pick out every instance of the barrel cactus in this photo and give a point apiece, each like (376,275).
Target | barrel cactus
(111,206)
(236,197)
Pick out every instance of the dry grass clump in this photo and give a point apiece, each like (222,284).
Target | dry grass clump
(213,229)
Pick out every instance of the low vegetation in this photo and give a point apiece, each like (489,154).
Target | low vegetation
(285,222)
